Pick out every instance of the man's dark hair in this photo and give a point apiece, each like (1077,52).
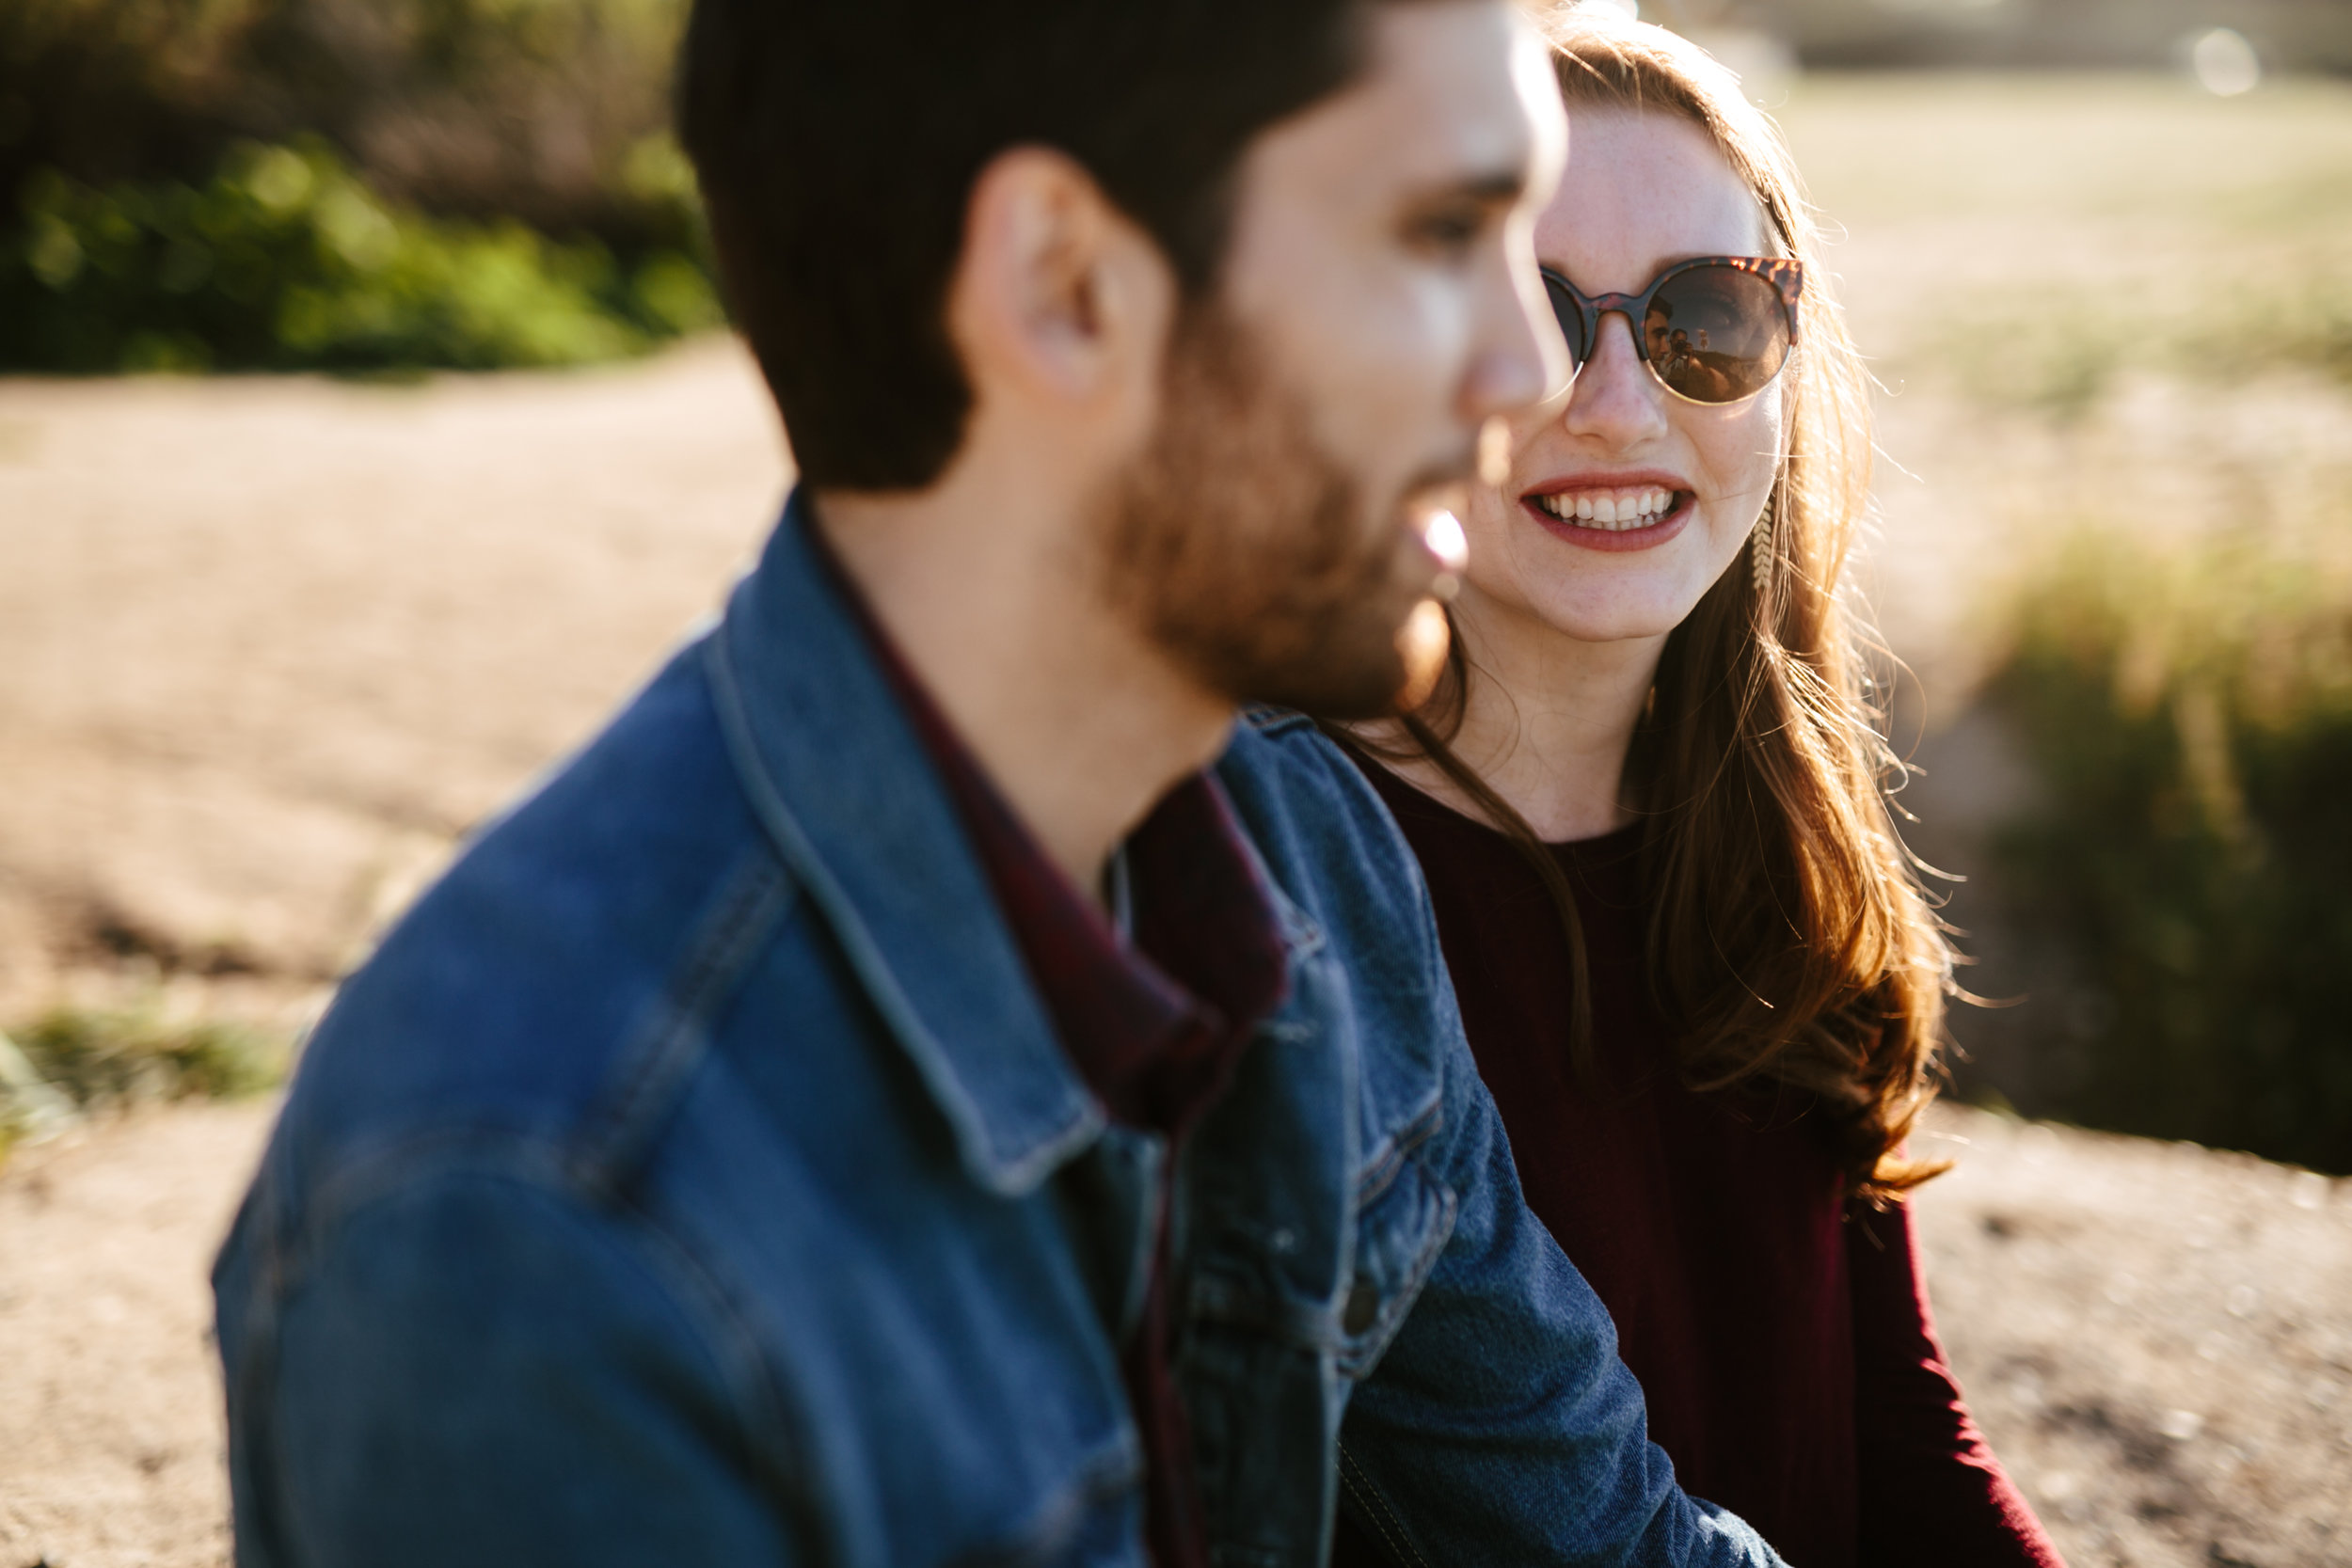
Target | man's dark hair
(838,141)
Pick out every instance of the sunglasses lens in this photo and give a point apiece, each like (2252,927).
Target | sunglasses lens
(1716,334)
(1571,320)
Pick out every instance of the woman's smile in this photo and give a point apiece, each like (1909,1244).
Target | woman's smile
(1612,512)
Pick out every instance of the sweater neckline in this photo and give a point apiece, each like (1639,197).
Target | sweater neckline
(1605,847)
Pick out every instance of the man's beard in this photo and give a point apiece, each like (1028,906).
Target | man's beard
(1241,545)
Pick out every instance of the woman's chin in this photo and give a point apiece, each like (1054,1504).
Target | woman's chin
(1624,606)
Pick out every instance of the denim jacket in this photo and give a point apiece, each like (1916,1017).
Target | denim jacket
(692,1178)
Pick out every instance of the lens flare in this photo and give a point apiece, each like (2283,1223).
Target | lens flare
(1421,643)
(1446,540)
(2226,65)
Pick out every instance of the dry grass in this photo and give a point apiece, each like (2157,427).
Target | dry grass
(113,1059)
(2105,301)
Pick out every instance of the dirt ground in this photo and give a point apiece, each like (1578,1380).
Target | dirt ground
(272,645)
(110,1413)
(2156,1336)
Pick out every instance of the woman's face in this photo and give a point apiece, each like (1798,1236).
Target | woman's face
(1641,193)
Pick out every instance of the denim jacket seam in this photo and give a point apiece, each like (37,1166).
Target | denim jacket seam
(755,1385)
(1384,1519)
(277,1219)
(1302,934)
(1387,1157)
(1043,1536)
(625,1118)
(548,1165)
(1267,719)
(1362,1362)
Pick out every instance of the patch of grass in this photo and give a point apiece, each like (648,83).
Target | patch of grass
(2190,719)
(2059,361)
(2109,154)
(103,1059)
(2062,356)
(2031,239)
(29,1106)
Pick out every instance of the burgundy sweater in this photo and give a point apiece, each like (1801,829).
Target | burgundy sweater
(1780,1333)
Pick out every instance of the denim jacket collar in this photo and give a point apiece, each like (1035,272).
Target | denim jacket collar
(842,785)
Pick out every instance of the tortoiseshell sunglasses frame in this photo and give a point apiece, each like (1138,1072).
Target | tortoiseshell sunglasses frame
(1786,277)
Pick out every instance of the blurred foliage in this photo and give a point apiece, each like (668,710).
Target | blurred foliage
(526,108)
(2190,719)
(30,1107)
(2036,35)
(348,184)
(285,259)
(2037,241)
(2065,353)
(105,1059)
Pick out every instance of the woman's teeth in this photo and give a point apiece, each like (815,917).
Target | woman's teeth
(1613,510)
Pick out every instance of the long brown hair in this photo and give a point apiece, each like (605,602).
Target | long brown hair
(1788,938)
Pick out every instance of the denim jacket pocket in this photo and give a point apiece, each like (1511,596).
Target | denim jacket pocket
(1401,1229)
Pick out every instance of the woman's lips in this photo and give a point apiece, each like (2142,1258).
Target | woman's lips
(1621,517)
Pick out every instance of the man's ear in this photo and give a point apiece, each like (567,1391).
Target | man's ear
(1058,296)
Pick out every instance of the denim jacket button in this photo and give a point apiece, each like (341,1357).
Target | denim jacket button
(1363,1306)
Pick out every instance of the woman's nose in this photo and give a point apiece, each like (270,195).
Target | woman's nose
(1614,398)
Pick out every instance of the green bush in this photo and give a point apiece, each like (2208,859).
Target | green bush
(30,1107)
(2190,720)
(105,1059)
(524,108)
(285,259)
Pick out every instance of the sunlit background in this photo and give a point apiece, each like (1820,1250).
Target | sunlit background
(287,604)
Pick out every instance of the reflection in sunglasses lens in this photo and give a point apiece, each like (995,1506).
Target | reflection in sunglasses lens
(1716,334)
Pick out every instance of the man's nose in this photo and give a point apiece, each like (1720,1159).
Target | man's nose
(1615,398)
(1517,357)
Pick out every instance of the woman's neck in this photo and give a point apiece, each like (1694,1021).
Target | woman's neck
(1549,721)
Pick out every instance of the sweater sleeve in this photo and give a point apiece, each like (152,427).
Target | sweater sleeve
(1931,1493)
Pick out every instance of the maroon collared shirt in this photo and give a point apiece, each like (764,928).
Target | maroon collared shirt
(1154,1024)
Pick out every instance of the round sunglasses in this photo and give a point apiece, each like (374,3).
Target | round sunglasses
(1712,330)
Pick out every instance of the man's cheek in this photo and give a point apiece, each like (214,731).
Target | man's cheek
(1400,395)
(1425,355)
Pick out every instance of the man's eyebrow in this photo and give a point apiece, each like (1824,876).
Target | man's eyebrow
(1497,187)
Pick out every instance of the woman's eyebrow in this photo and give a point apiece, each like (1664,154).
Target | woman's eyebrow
(1771,250)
